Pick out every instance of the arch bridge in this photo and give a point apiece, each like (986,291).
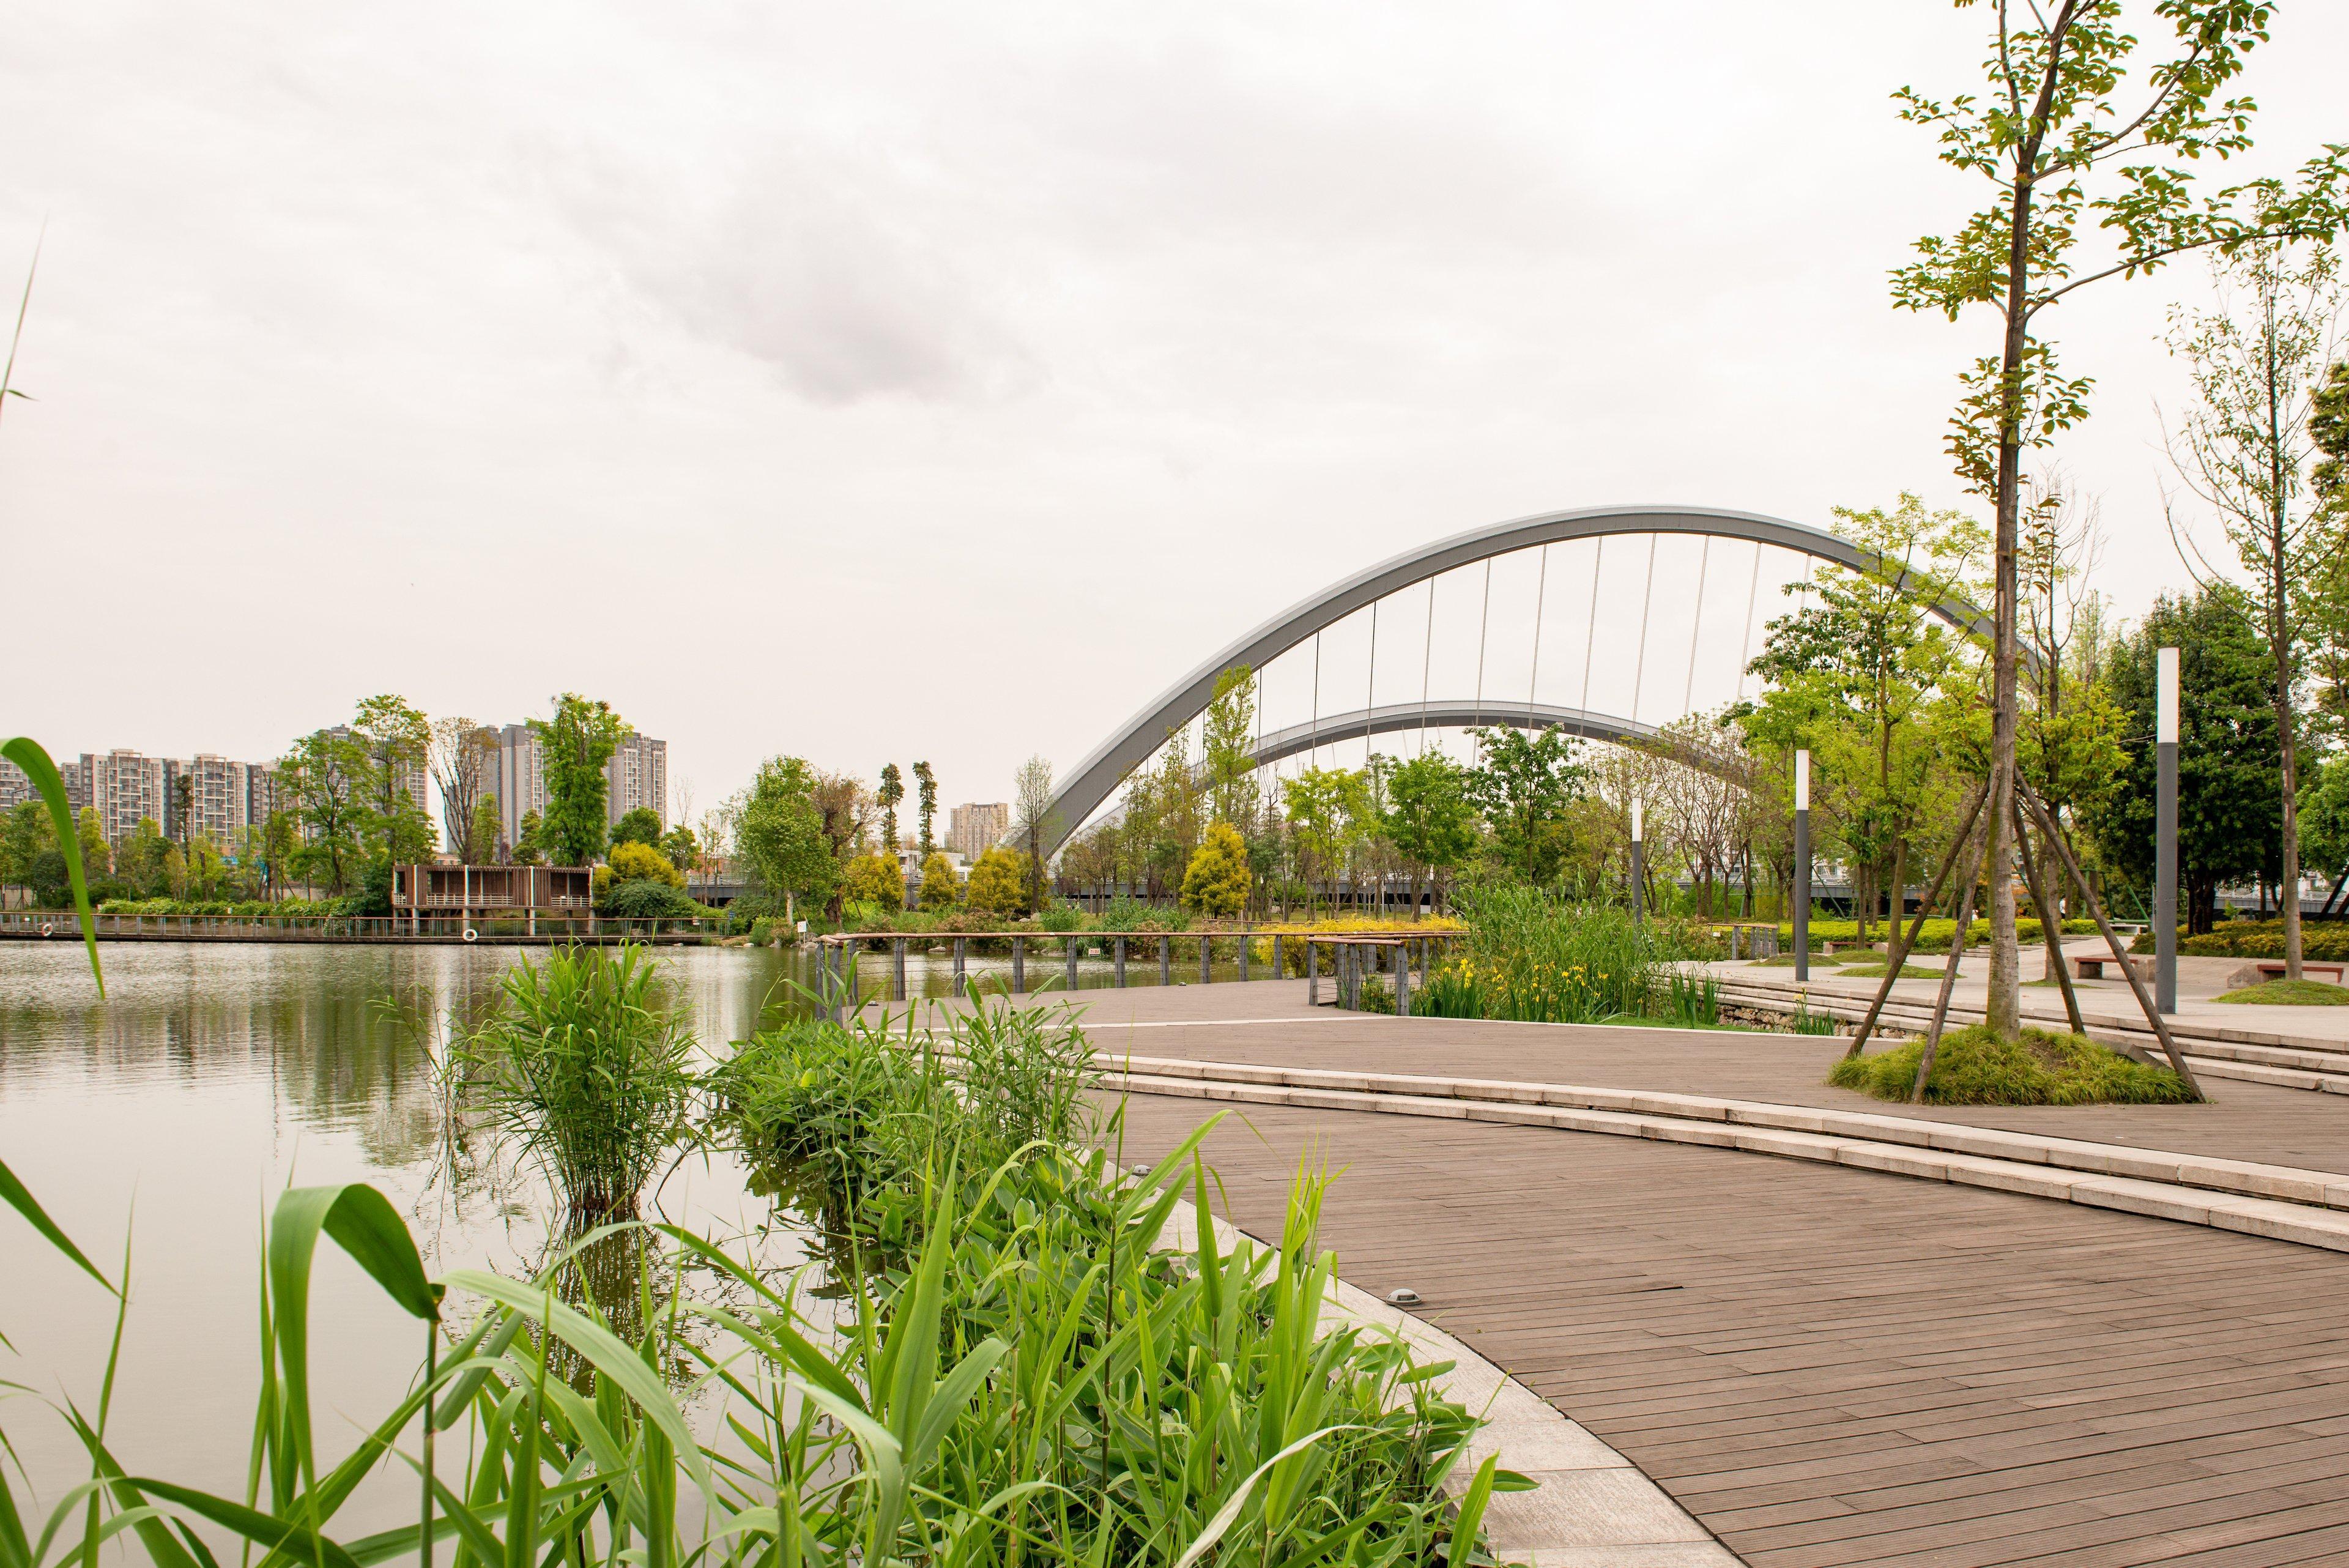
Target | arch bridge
(1692,600)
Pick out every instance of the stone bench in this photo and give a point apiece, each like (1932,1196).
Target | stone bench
(2091,966)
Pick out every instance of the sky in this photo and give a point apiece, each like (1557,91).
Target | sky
(897,381)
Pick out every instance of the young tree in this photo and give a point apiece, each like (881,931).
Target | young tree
(1523,789)
(779,832)
(941,888)
(1228,747)
(998,883)
(639,825)
(464,760)
(892,791)
(925,806)
(89,833)
(530,847)
(29,833)
(682,849)
(397,740)
(634,860)
(1216,883)
(281,843)
(482,836)
(574,745)
(2258,362)
(1428,817)
(2226,759)
(1320,825)
(328,776)
(874,879)
(2068,158)
(1033,823)
(2328,603)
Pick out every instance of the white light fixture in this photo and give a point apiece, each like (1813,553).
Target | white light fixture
(2166,706)
(1639,819)
(1802,781)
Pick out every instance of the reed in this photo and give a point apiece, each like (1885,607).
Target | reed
(585,1068)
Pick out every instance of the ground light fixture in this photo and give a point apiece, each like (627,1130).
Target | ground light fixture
(1402,1296)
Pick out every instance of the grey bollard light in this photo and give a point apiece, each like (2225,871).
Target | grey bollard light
(961,981)
(1206,945)
(1020,966)
(1118,946)
(2165,832)
(1802,866)
(1071,949)
(1243,953)
(1166,961)
(1312,977)
(897,969)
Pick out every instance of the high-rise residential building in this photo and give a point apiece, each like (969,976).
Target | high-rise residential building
(16,785)
(125,787)
(411,777)
(975,827)
(265,793)
(638,775)
(219,798)
(521,780)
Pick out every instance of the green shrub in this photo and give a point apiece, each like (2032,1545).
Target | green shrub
(2327,942)
(1935,938)
(1975,1067)
(1131,913)
(646,900)
(1534,956)
(2290,993)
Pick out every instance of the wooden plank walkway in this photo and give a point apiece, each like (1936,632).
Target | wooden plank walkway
(1826,1367)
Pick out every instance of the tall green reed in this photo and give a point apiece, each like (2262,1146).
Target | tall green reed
(1535,956)
(585,1067)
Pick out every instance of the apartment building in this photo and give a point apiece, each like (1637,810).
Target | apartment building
(124,787)
(638,775)
(521,780)
(219,798)
(975,827)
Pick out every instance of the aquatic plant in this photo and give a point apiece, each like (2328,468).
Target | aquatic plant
(585,1069)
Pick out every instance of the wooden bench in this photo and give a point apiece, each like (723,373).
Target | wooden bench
(2273,969)
(2091,966)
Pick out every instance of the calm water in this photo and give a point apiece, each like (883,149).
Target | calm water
(167,1118)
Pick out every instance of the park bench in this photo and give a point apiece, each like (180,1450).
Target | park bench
(2273,969)
(2091,966)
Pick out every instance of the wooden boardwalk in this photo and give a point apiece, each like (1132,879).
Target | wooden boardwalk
(1826,1366)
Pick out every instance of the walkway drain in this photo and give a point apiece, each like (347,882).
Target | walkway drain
(1403,1295)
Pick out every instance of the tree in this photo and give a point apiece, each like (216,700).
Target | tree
(892,791)
(998,883)
(1032,823)
(1216,883)
(941,888)
(481,837)
(781,832)
(89,833)
(1854,676)
(874,878)
(397,740)
(926,803)
(2227,764)
(1430,819)
(281,842)
(2328,607)
(1319,803)
(464,759)
(1523,788)
(2065,154)
(529,845)
(1228,746)
(30,832)
(328,776)
(2325,816)
(639,825)
(574,746)
(2258,362)
(639,862)
(682,849)
(140,860)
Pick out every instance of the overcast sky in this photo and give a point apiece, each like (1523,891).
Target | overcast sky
(887,382)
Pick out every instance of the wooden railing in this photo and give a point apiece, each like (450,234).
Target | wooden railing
(1356,955)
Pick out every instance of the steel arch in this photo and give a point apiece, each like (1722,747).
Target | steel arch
(1109,764)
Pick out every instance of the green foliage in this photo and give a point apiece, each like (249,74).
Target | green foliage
(1130,914)
(1216,883)
(892,792)
(530,849)
(32,759)
(2325,816)
(1934,938)
(1876,971)
(487,827)
(874,879)
(781,831)
(2229,766)
(396,741)
(1524,787)
(1227,748)
(941,888)
(2290,994)
(574,746)
(926,808)
(682,846)
(997,884)
(586,1069)
(634,860)
(2326,942)
(1975,1067)
(330,777)
(1430,819)
(639,825)
(649,899)
(1536,957)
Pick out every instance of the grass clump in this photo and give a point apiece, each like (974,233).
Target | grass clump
(1876,971)
(1818,961)
(1975,1067)
(2290,993)
(583,1064)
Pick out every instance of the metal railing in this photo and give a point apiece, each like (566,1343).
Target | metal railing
(521,927)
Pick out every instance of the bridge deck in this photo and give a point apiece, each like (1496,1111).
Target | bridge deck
(1824,1366)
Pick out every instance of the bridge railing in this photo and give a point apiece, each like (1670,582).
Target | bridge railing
(1358,953)
(517,927)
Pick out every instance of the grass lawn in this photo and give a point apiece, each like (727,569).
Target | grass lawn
(1974,1067)
(1787,960)
(1876,971)
(2290,993)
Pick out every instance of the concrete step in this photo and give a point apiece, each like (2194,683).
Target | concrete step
(2302,1207)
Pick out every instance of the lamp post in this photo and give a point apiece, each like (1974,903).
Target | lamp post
(2165,833)
(1802,866)
(1639,865)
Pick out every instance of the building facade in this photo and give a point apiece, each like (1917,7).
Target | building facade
(219,799)
(975,827)
(125,787)
(638,775)
(521,780)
